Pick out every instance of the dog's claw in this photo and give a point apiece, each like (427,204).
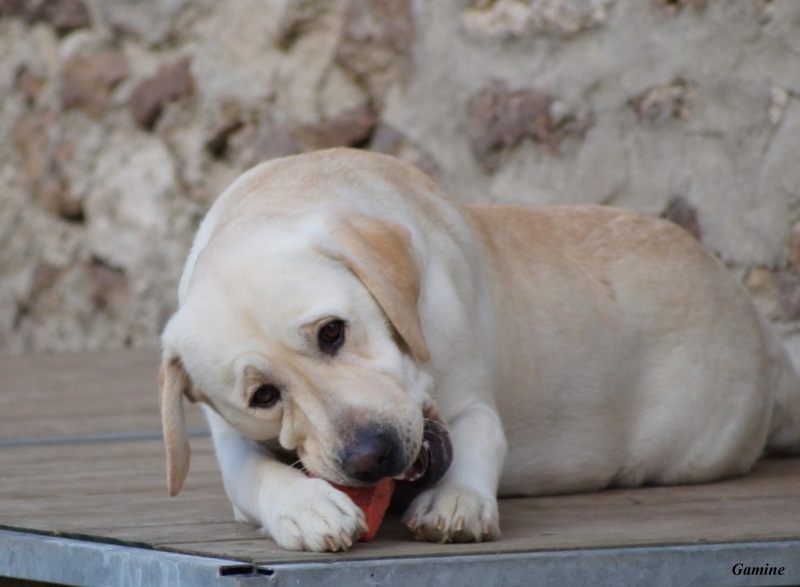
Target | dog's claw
(346,540)
(331,544)
(487,532)
(460,524)
(362,526)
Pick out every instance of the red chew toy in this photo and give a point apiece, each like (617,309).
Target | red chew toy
(373,501)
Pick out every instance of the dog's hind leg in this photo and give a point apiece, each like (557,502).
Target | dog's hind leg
(784,435)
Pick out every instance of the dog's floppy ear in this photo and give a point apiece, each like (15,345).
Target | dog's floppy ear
(173,384)
(381,255)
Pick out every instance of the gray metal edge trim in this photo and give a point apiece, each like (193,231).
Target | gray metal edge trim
(37,557)
(89,564)
(704,565)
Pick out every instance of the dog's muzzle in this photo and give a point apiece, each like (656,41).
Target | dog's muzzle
(374,454)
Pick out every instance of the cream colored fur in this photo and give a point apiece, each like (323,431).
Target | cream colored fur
(567,349)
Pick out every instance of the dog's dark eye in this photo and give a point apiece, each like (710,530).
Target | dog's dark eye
(331,337)
(265,397)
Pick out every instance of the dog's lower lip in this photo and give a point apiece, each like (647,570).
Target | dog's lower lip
(420,466)
(434,457)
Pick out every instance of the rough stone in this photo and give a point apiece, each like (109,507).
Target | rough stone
(88,81)
(298,20)
(390,141)
(127,206)
(788,283)
(232,45)
(172,82)
(499,120)
(148,20)
(29,84)
(110,286)
(514,18)
(686,108)
(260,137)
(376,40)
(793,247)
(350,129)
(682,213)
(664,102)
(9,8)
(226,122)
(673,7)
(46,155)
(64,16)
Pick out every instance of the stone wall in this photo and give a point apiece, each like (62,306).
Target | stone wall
(121,120)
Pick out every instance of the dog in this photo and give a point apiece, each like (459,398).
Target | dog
(339,313)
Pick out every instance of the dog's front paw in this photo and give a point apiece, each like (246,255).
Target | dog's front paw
(313,516)
(453,514)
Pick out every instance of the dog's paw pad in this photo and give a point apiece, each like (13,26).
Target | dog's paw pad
(453,514)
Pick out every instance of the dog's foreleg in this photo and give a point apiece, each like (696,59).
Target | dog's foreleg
(462,507)
(297,512)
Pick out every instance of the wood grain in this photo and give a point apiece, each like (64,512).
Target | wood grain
(116,489)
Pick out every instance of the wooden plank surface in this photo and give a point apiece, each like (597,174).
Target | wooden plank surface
(53,395)
(114,489)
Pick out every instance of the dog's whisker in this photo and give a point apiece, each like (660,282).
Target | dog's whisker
(298,464)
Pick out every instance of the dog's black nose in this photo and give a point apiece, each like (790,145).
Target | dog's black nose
(371,456)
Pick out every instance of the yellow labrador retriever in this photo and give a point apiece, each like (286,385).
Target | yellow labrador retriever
(338,310)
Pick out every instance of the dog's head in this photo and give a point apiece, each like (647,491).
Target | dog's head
(306,331)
